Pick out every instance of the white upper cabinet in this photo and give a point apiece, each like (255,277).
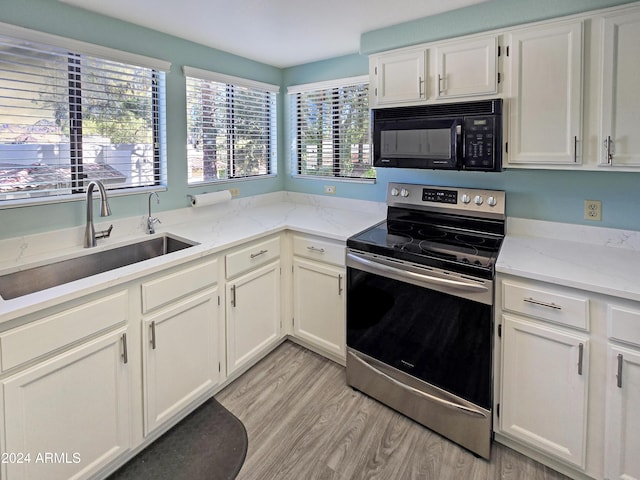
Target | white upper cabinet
(399,77)
(466,68)
(619,134)
(545,105)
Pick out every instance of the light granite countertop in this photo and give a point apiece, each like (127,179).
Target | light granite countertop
(594,259)
(215,228)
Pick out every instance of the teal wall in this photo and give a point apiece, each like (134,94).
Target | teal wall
(547,195)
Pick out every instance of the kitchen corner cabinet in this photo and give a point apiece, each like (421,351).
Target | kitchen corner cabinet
(319,295)
(545,105)
(545,369)
(619,138)
(75,405)
(399,77)
(466,68)
(252,303)
(180,341)
(622,415)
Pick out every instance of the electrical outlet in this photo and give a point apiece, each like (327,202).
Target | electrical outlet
(234,192)
(330,189)
(593,210)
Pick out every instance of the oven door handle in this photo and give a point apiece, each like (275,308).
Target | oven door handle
(433,398)
(457,284)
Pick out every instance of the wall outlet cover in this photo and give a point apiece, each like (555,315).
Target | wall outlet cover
(593,210)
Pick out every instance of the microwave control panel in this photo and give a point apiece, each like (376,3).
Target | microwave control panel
(479,142)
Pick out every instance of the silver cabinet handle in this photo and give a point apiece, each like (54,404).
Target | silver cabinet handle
(261,252)
(608,147)
(542,304)
(420,83)
(125,354)
(575,149)
(233,295)
(580,357)
(339,284)
(315,249)
(153,334)
(619,374)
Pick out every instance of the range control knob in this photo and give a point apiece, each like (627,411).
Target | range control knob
(394,192)
(478,200)
(465,198)
(492,201)
(404,193)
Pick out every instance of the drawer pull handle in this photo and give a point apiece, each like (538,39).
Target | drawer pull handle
(315,249)
(580,357)
(339,284)
(153,335)
(233,295)
(542,304)
(125,354)
(261,252)
(619,374)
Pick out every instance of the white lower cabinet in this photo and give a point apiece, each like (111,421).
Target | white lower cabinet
(319,305)
(544,387)
(180,355)
(71,413)
(253,315)
(622,414)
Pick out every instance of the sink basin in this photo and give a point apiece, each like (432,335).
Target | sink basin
(23,282)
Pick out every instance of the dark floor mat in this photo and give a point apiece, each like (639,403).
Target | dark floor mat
(209,444)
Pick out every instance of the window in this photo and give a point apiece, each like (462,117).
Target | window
(330,129)
(68,117)
(231,127)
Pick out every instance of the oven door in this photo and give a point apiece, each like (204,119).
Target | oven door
(429,324)
(419,341)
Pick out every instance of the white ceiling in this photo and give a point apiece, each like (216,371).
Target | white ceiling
(281,33)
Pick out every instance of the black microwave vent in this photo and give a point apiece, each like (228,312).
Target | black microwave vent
(482,107)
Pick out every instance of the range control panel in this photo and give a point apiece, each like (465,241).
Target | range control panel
(465,201)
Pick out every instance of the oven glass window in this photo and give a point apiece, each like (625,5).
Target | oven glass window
(431,143)
(439,338)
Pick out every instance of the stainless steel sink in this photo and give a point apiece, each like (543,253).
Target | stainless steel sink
(23,282)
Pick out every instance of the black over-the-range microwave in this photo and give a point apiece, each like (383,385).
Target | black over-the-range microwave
(452,136)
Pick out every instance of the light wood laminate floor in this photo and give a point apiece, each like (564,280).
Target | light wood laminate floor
(304,422)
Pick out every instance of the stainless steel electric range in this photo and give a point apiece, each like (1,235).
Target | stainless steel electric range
(420,308)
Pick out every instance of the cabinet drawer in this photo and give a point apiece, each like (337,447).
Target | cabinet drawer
(623,324)
(555,306)
(315,249)
(164,290)
(22,344)
(252,256)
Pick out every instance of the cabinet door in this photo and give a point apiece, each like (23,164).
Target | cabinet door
(319,305)
(74,406)
(622,459)
(180,356)
(546,88)
(401,77)
(619,134)
(253,315)
(544,388)
(467,68)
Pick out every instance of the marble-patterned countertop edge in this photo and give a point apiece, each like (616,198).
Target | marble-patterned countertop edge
(594,259)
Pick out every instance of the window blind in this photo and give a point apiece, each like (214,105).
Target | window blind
(231,129)
(67,118)
(331,129)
